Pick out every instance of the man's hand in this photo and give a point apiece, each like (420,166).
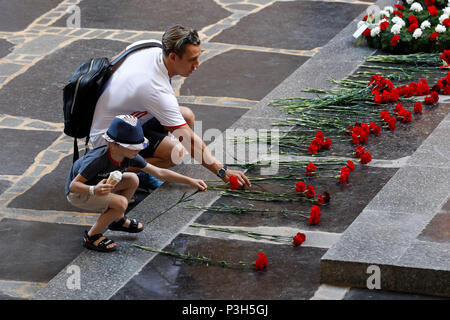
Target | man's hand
(242,179)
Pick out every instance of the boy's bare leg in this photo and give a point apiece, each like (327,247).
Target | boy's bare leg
(127,187)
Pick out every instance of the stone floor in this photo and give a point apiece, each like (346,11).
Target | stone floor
(250,47)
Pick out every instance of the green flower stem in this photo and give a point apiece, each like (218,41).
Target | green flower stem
(199,259)
(262,195)
(427,59)
(239,210)
(250,234)
(183,198)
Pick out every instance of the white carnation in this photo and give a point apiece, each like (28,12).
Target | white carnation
(384,13)
(447,11)
(443,17)
(399,21)
(440,28)
(396,28)
(409,1)
(389,9)
(425,24)
(416,7)
(417,33)
(375,31)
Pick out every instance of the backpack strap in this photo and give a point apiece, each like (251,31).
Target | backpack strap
(76,154)
(118,61)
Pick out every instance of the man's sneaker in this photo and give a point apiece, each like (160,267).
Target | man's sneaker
(147,182)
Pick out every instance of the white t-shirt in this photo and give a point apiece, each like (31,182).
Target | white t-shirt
(140,87)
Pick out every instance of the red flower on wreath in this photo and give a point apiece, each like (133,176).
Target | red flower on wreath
(261,262)
(433,11)
(413,19)
(234,183)
(430,2)
(366,32)
(298,239)
(384,25)
(399,7)
(446,22)
(413,27)
(394,41)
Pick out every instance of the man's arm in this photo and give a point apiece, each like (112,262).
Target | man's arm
(200,152)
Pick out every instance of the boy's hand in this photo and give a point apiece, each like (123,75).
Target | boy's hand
(200,184)
(242,179)
(102,188)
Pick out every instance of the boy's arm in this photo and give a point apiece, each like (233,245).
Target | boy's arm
(78,185)
(171,176)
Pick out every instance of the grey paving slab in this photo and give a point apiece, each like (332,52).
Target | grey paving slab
(241,74)
(17,15)
(20,147)
(438,230)
(292,273)
(5,47)
(22,97)
(291,25)
(213,117)
(4,184)
(147,15)
(49,187)
(34,252)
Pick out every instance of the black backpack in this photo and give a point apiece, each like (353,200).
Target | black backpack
(83,90)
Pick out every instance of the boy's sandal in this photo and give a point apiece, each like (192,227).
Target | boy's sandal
(132,228)
(102,246)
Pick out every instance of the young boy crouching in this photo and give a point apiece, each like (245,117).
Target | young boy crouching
(87,189)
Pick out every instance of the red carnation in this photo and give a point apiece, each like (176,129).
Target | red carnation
(327,144)
(313,148)
(310,191)
(429,100)
(433,11)
(398,13)
(391,123)
(234,183)
(413,27)
(418,107)
(320,135)
(433,36)
(261,262)
(375,128)
(394,41)
(314,215)
(344,174)
(359,151)
(384,25)
(350,165)
(400,7)
(320,200)
(366,158)
(446,22)
(311,169)
(298,239)
(326,197)
(300,186)
(366,32)
(429,2)
(412,19)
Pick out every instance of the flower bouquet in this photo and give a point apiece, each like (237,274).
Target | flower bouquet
(416,26)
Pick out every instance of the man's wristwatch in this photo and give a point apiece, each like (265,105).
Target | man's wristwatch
(222,171)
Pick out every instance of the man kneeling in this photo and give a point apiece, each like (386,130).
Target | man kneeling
(87,187)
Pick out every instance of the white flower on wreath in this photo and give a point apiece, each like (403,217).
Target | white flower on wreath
(425,24)
(384,13)
(447,10)
(443,17)
(396,28)
(389,9)
(416,7)
(375,31)
(399,21)
(417,33)
(440,28)
(409,1)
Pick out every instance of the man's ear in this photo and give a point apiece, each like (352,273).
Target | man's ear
(172,56)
